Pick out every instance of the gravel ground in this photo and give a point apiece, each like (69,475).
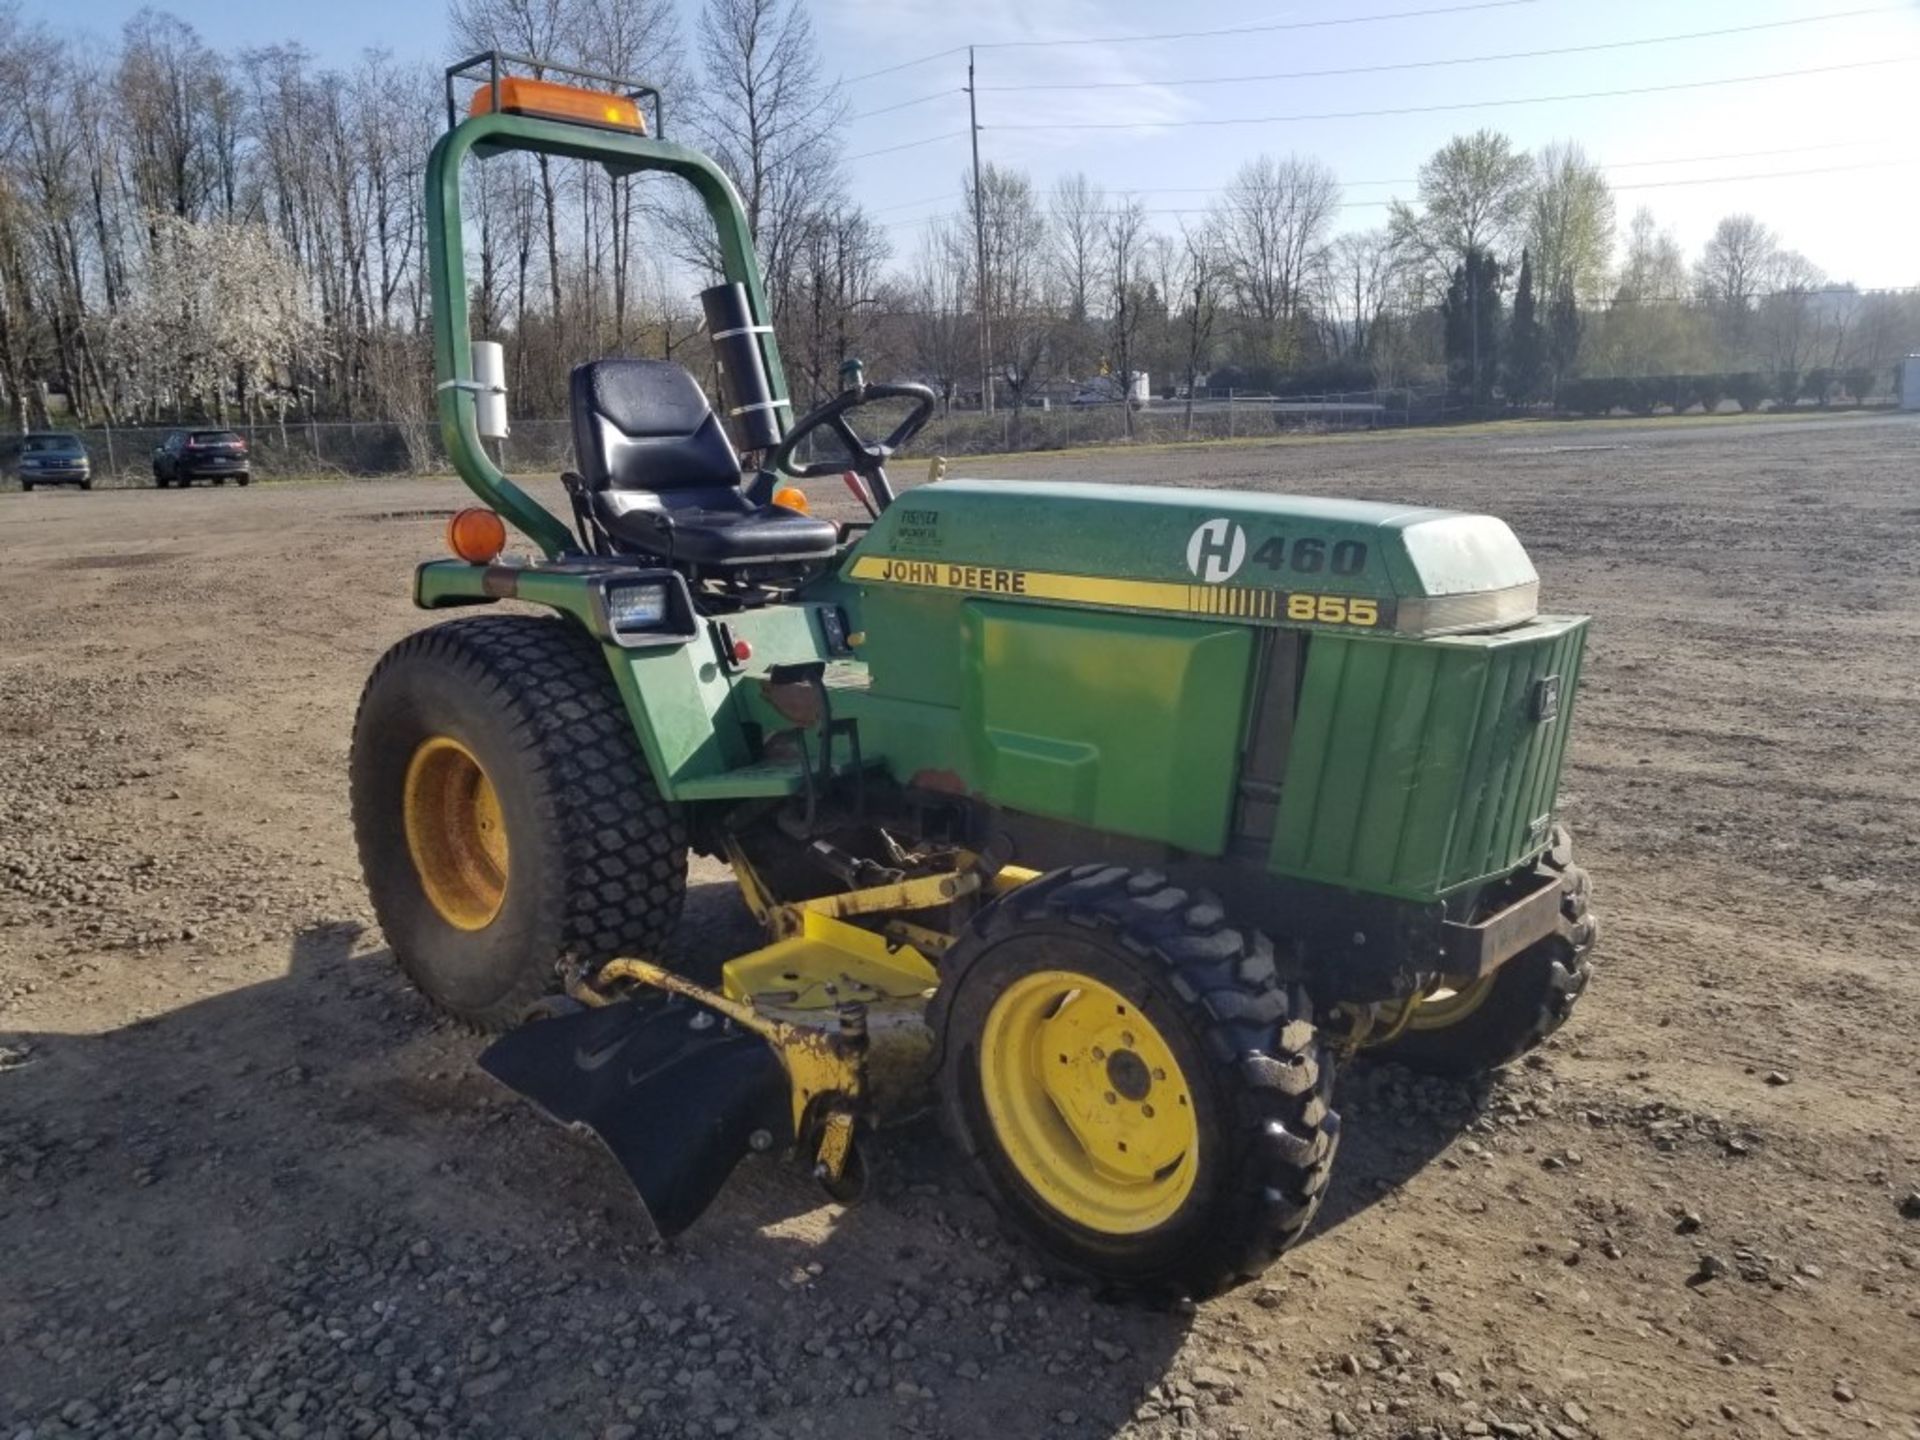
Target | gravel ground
(250,1187)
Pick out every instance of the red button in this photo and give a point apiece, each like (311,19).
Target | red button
(742,652)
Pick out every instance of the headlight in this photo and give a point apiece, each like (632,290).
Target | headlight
(1474,610)
(636,607)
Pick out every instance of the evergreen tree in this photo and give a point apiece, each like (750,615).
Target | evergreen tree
(1563,333)
(1471,316)
(1526,343)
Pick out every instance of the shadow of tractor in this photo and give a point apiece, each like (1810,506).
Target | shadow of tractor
(302,1195)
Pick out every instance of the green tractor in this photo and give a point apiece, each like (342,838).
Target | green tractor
(1105,820)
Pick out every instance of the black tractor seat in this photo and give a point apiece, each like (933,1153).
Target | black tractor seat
(662,478)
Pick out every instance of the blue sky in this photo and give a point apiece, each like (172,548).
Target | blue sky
(1840,146)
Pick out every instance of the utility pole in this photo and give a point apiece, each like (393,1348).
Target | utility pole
(980,244)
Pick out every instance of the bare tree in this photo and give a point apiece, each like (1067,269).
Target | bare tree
(940,329)
(1202,274)
(1654,267)
(162,64)
(1651,327)
(1273,222)
(641,39)
(772,122)
(1012,292)
(1078,208)
(837,295)
(1123,240)
(540,28)
(1733,269)
(1358,292)
(1790,314)
(1737,260)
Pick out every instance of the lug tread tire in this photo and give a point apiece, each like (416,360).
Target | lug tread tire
(1279,1129)
(617,873)
(1533,996)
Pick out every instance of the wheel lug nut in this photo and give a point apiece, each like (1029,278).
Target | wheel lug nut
(1147,1110)
(1112,1098)
(1098,1053)
(1126,1038)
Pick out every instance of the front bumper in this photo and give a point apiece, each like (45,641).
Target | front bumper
(1358,947)
(60,475)
(1470,950)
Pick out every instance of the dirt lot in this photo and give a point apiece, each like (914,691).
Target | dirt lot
(249,1186)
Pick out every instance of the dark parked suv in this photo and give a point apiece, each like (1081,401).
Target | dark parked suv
(54,458)
(189,455)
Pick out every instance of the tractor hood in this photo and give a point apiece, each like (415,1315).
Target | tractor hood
(1264,558)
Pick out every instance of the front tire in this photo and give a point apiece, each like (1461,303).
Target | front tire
(507,823)
(1132,1083)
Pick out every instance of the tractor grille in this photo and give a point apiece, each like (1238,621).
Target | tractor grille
(1418,767)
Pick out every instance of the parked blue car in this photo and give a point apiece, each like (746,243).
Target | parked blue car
(54,458)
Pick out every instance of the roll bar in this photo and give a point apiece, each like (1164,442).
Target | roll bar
(623,153)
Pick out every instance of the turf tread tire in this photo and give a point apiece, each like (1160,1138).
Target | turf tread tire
(1261,1050)
(607,854)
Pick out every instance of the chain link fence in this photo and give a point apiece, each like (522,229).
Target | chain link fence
(124,456)
(1164,421)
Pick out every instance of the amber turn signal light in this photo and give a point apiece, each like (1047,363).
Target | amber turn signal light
(476,535)
(545,100)
(792,497)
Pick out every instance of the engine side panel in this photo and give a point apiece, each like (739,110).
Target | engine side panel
(1122,723)
(1419,768)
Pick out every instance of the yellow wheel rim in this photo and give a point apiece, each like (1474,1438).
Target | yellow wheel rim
(455,833)
(1088,1102)
(1448,1006)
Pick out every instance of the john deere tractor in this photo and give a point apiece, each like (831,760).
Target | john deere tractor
(1106,820)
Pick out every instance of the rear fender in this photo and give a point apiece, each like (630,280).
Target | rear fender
(677,694)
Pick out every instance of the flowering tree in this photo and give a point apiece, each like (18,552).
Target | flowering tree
(221,315)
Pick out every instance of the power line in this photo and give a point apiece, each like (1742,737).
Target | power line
(1627,164)
(1380,204)
(906,104)
(1449,61)
(910,145)
(1765,175)
(1263,29)
(909,204)
(905,64)
(1461,104)
(1191,34)
(1414,180)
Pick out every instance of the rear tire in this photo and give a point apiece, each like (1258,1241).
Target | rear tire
(593,862)
(1522,1003)
(1223,1047)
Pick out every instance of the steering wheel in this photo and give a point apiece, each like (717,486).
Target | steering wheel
(868,460)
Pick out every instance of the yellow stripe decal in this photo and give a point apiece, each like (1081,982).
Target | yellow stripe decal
(1231,600)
